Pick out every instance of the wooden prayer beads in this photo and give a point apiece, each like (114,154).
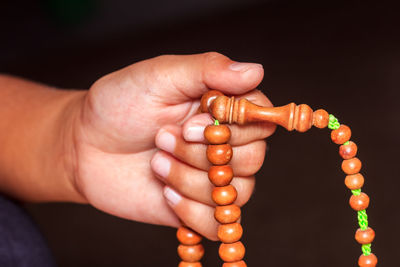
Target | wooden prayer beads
(220,175)
(359,201)
(219,153)
(224,194)
(365,236)
(190,250)
(227,214)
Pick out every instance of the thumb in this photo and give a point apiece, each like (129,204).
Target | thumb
(177,79)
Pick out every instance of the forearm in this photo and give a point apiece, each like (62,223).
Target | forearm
(36,140)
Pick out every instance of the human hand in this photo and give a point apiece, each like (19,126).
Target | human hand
(139,151)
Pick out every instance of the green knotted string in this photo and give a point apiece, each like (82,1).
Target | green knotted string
(333,123)
(362,216)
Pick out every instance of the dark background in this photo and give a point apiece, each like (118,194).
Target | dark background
(343,57)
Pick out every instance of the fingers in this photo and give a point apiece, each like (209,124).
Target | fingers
(183,78)
(195,215)
(241,134)
(194,183)
(247,159)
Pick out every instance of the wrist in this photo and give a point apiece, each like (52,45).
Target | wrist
(67,152)
(36,132)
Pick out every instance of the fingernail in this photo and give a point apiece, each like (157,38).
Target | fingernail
(161,165)
(172,196)
(166,141)
(243,67)
(194,134)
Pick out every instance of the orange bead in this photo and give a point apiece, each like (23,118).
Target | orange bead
(219,154)
(351,166)
(207,98)
(224,195)
(348,151)
(365,236)
(235,264)
(220,175)
(320,118)
(187,236)
(368,261)
(359,202)
(189,264)
(227,214)
(232,252)
(230,233)
(341,135)
(217,134)
(354,181)
(191,253)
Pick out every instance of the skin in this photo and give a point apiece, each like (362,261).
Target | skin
(132,144)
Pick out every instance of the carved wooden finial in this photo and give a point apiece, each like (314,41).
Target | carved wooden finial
(230,110)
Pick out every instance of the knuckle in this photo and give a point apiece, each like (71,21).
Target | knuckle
(245,188)
(212,55)
(252,158)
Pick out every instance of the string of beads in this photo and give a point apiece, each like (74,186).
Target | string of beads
(219,153)
(190,250)
(354,180)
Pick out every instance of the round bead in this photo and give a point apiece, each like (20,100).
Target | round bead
(359,202)
(220,175)
(230,233)
(232,252)
(207,98)
(227,214)
(348,151)
(235,264)
(341,135)
(365,236)
(368,261)
(217,134)
(351,166)
(224,195)
(320,118)
(187,236)
(189,264)
(219,154)
(191,253)
(354,181)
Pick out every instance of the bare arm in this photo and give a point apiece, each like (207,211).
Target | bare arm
(36,124)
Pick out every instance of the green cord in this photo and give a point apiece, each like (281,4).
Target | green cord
(216,122)
(362,219)
(366,249)
(356,192)
(362,216)
(333,123)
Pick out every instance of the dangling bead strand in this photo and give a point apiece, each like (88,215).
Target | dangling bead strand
(354,180)
(219,153)
(292,117)
(190,250)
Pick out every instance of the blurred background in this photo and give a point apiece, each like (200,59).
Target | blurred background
(343,57)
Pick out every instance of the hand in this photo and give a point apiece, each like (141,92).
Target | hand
(139,151)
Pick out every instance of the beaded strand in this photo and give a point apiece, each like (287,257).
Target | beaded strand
(219,153)
(190,250)
(359,201)
(292,117)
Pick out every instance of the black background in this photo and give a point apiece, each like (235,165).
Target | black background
(342,57)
